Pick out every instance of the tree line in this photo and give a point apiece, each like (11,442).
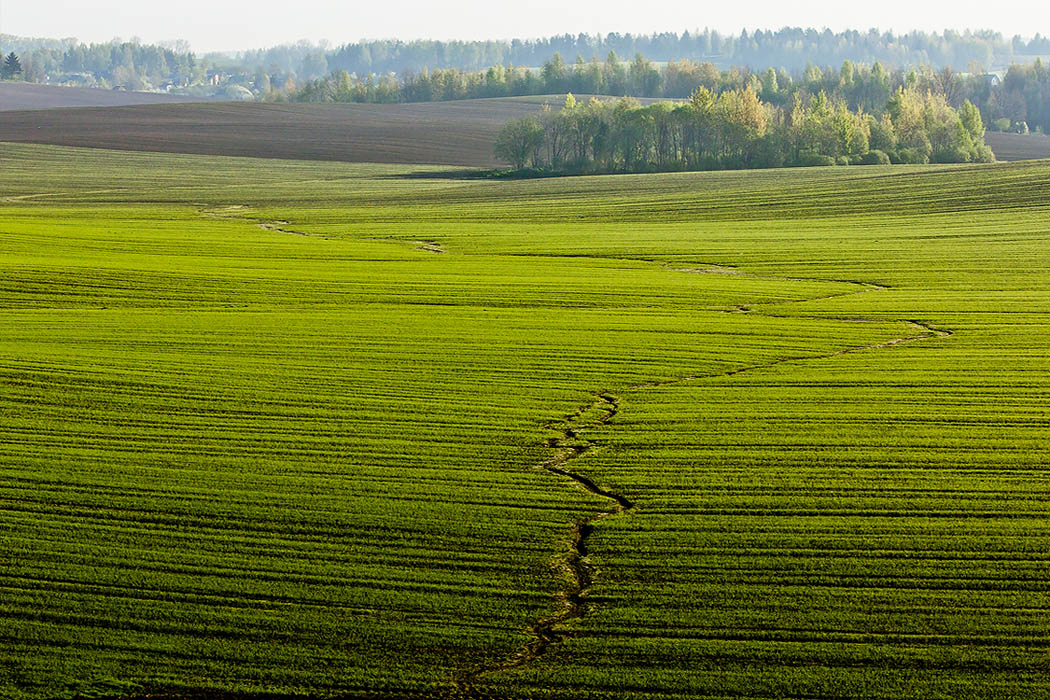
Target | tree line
(1020,101)
(127,64)
(790,47)
(735,129)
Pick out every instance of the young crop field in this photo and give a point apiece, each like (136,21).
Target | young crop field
(335,430)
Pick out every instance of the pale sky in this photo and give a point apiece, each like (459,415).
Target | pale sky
(211,25)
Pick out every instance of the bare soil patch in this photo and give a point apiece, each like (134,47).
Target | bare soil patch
(1011,147)
(442,133)
(22,96)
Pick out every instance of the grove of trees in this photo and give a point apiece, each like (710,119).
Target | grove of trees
(736,129)
(127,64)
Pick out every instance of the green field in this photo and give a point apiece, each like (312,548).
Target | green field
(274,426)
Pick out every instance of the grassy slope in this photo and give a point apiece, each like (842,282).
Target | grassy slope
(241,458)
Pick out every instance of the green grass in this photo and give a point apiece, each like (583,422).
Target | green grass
(241,459)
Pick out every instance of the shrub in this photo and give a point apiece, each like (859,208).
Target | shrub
(912,156)
(983,154)
(812,160)
(953,154)
(875,157)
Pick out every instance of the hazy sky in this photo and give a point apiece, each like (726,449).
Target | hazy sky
(237,24)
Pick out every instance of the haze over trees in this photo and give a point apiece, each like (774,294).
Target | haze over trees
(861,68)
(67,60)
(1018,102)
(790,48)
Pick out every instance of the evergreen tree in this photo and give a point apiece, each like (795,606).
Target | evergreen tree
(12,66)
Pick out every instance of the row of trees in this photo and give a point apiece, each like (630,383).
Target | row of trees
(736,129)
(790,47)
(1020,101)
(302,71)
(128,64)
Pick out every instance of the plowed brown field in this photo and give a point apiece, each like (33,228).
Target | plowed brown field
(1012,147)
(18,96)
(444,133)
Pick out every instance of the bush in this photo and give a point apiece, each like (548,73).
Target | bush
(954,154)
(983,154)
(912,156)
(1002,124)
(875,157)
(842,160)
(709,163)
(815,160)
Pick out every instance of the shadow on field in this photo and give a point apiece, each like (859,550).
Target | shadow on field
(455,174)
(200,694)
(477,174)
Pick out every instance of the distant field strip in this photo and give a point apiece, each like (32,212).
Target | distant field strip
(240,461)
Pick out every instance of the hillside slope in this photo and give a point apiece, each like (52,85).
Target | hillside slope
(23,96)
(442,133)
(1013,147)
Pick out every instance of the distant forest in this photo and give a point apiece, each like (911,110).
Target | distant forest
(149,66)
(789,48)
(1020,101)
(777,65)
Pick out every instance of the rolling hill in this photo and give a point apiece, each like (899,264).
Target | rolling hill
(1012,147)
(276,429)
(457,133)
(23,96)
(441,133)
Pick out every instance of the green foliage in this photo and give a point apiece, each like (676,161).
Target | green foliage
(875,157)
(912,156)
(12,67)
(808,159)
(1001,124)
(856,87)
(124,64)
(519,142)
(734,129)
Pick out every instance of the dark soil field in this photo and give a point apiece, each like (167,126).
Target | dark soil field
(442,133)
(19,96)
(1012,147)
